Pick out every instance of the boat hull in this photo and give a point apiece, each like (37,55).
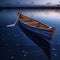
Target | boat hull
(46,34)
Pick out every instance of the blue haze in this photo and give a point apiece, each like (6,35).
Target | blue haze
(10,37)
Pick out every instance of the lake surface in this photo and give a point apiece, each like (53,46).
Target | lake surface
(16,45)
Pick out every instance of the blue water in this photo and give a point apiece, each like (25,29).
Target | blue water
(16,45)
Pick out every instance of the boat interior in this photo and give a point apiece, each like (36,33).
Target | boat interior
(31,22)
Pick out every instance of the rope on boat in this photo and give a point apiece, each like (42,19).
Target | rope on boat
(14,24)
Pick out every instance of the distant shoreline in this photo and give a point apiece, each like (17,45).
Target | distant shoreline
(33,7)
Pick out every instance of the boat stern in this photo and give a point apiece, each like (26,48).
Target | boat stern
(53,31)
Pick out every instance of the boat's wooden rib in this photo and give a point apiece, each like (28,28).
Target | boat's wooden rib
(35,24)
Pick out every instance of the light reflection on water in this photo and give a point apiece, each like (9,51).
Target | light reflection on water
(50,17)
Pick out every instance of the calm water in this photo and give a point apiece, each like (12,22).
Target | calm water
(16,45)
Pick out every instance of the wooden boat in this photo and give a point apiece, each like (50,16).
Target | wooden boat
(36,27)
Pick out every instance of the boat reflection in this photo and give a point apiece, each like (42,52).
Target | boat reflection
(42,43)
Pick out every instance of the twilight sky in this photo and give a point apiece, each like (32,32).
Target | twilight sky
(38,2)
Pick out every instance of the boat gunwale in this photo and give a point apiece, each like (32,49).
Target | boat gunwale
(47,28)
